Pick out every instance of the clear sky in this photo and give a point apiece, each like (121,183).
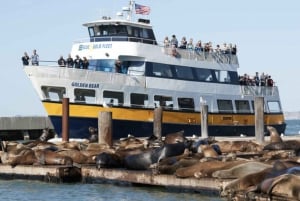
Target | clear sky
(267,34)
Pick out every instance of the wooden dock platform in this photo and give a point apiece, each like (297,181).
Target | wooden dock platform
(208,185)
(56,174)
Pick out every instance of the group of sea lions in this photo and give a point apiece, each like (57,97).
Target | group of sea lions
(272,168)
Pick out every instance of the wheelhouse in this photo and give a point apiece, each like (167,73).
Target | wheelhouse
(110,30)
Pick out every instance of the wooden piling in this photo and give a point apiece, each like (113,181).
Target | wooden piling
(157,122)
(65,119)
(204,120)
(259,119)
(105,128)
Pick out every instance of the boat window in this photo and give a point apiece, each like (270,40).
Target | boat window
(85,95)
(113,98)
(134,67)
(106,65)
(161,70)
(53,93)
(225,106)
(165,101)
(183,72)
(274,106)
(186,104)
(204,74)
(242,106)
(138,100)
(91,31)
(222,76)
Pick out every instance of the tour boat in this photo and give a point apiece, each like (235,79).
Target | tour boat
(152,75)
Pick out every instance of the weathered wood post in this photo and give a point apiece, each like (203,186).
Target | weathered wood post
(157,122)
(105,128)
(65,120)
(259,119)
(204,120)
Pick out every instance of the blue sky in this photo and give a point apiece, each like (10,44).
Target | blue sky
(267,34)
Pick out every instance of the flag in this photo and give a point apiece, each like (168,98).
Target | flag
(143,10)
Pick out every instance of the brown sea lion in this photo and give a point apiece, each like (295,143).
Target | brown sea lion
(47,157)
(239,146)
(27,157)
(287,185)
(181,163)
(244,183)
(130,142)
(205,169)
(208,151)
(77,156)
(241,170)
(274,136)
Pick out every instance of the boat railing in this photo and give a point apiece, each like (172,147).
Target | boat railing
(116,38)
(259,90)
(198,55)
(191,54)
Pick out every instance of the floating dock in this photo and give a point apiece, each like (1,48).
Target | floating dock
(56,174)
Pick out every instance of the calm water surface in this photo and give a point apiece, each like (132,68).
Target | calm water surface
(20,190)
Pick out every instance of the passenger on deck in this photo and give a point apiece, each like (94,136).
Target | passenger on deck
(61,61)
(234,50)
(190,45)
(166,42)
(118,66)
(174,41)
(183,43)
(270,81)
(35,58)
(218,49)
(85,63)
(256,79)
(262,80)
(77,62)
(25,59)
(198,47)
(70,61)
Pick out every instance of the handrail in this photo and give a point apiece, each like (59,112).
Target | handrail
(117,38)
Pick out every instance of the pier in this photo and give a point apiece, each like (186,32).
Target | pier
(23,127)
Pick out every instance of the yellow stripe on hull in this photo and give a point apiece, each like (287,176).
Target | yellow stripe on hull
(176,117)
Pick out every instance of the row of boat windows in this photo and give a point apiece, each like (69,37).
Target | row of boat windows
(104,32)
(139,100)
(152,69)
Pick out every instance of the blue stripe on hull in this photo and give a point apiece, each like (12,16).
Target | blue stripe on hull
(78,128)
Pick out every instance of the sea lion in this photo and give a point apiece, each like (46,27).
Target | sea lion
(241,170)
(93,134)
(77,156)
(208,151)
(181,163)
(238,146)
(205,168)
(195,145)
(143,160)
(173,138)
(46,135)
(27,157)
(287,185)
(140,161)
(108,160)
(244,183)
(254,181)
(274,136)
(130,142)
(47,157)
